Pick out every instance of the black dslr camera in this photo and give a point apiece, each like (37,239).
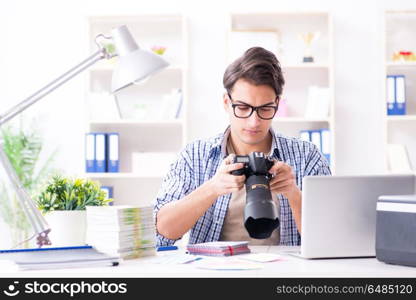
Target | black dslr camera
(260,212)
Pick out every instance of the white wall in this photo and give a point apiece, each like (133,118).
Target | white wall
(41,39)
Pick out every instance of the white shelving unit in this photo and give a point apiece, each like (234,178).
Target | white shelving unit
(400,30)
(281,33)
(138,119)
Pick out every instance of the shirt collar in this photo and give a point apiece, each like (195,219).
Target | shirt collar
(222,144)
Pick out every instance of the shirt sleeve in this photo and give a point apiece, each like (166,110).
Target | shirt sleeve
(316,163)
(178,182)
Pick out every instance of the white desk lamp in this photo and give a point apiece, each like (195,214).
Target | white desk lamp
(134,65)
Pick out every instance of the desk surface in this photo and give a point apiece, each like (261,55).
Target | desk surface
(289,266)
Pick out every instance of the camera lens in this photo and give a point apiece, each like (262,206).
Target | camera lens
(260,212)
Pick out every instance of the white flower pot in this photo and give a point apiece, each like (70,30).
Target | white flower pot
(68,227)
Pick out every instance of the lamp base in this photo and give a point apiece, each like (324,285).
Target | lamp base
(42,239)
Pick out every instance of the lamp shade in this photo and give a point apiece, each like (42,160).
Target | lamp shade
(134,64)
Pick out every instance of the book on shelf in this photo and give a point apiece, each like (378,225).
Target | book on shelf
(318,102)
(171,105)
(398,159)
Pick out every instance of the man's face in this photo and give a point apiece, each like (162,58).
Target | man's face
(252,130)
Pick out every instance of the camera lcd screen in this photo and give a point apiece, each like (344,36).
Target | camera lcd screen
(242,159)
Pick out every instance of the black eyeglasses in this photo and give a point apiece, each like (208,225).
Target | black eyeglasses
(265,112)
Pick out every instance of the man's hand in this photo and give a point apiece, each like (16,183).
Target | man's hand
(284,181)
(223,182)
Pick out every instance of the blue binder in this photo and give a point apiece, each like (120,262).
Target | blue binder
(100,152)
(400,95)
(90,164)
(109,193)
(316,138)
(305,135)
(326,144)
(391,94)
(113,161)
(396,95)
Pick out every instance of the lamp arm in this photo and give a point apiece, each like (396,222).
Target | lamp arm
(36,219)
(26,103)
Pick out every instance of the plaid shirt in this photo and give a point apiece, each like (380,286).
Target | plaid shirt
(199,162)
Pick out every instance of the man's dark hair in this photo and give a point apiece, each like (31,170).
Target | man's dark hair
(259,67)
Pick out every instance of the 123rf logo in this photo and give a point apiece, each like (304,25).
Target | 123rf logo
(70,289)
(11,290)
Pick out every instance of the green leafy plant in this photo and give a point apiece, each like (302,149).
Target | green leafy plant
(71,194)
(23,149)
(110,48)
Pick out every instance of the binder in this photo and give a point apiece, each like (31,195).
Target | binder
(391,95)
(316,138)
(100,152)
(113,164)
(400,95)
(108,190)
(90,164)
(305,135)
(326,144)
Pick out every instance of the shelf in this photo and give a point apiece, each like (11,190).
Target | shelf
(402,118)
(299,120)
(305,66)
(132,122)
(110,67)
(111,20)
(401,64)
(123,175)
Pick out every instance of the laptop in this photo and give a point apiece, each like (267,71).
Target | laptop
(339,213)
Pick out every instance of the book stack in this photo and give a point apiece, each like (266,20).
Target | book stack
(222,248)
(56,258)
(126,231)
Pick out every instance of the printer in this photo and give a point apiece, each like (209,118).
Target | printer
(396,229)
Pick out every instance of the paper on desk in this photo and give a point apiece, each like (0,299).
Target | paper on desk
(227,264)
(261,257)
(176,259)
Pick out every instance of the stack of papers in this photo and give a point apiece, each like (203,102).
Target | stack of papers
(126,231)
(222,248)
(53,258)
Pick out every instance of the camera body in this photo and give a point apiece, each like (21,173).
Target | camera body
(260,212)
(256,163)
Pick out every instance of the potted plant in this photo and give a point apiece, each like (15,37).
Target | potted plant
(63,202)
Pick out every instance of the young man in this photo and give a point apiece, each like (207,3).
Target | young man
(200,194)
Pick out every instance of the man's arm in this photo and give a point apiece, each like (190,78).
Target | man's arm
(284,181)
(176,218)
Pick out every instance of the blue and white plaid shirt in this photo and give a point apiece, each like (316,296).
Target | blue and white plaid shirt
(199,162)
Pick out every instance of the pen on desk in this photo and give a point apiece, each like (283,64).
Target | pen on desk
(167,248)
